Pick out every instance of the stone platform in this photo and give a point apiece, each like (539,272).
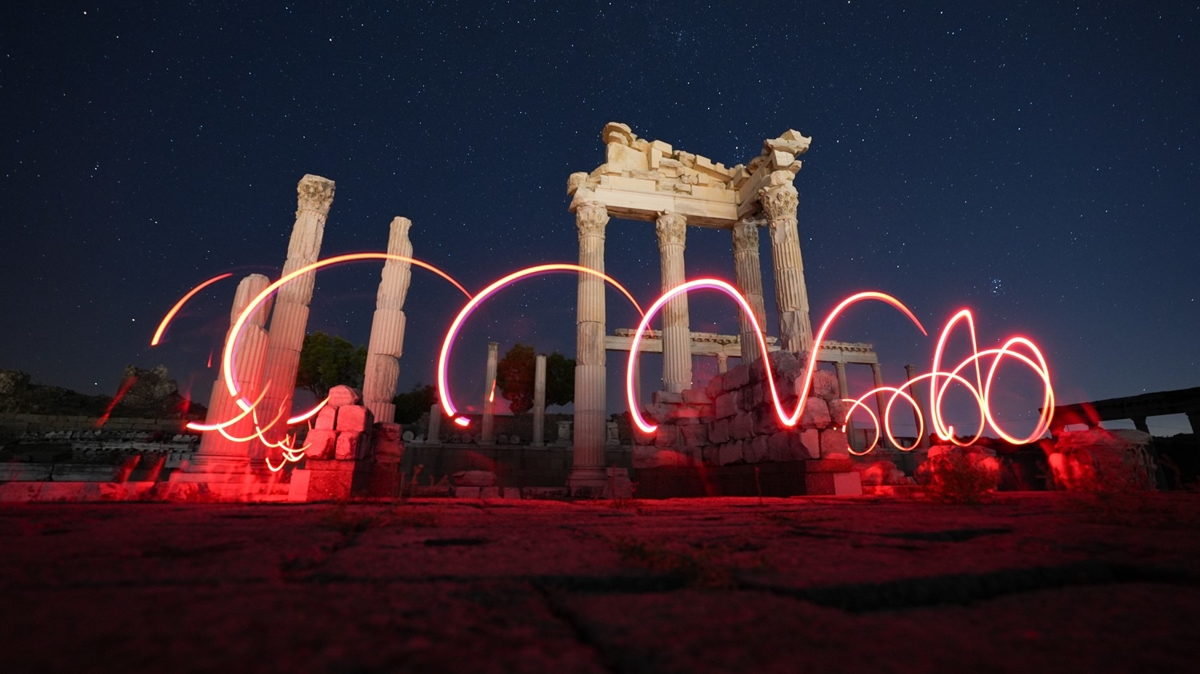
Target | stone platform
(1027,582)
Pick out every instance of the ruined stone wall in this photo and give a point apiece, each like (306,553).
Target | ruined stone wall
(733,420)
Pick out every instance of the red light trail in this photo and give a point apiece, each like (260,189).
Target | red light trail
(939,379)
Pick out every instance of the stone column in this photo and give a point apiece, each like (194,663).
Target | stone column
(387,327)
(779,201)
(723,362)
(677,336)
(218,454)
(844,392)
(880,402)
(288,322)
(539,401)
(923,441)
(749,283)
(435,424)
(486,435)
(587,472)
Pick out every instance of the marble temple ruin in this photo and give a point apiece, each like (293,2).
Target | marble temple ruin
(649,180)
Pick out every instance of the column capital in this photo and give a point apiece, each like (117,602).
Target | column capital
(671,228)
(745,235)
(779,198)
(590,217)
(314,193)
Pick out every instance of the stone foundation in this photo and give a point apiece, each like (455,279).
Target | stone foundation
(732,422)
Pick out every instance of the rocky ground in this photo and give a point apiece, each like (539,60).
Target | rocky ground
(1025,582)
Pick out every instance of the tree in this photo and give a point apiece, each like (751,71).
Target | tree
(410,406)
(327,361)
(514,377)
(560,379)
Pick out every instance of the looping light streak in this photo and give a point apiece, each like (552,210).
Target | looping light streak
(939,379)
(444,357)
(788,420)
(162,327)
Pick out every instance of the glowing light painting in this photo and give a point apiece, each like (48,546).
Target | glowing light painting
(1020,349)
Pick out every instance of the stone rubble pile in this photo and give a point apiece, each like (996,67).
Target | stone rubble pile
(733,420)
(342,429)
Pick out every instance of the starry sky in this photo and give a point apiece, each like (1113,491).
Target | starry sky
(1038,162)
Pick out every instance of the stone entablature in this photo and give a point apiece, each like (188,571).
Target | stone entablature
(641,179)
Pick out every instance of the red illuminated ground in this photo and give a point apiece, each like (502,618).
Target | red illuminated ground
(1030,582)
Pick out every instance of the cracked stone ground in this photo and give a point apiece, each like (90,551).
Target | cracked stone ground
(1027,582)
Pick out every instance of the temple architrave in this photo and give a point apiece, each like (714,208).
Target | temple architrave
(652,181)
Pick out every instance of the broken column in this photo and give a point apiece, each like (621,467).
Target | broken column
(923,440)
(539,400)
(779,201)
(677,338)
(881,402)
(217,453)
(748,273)
(387,327)
(288,322)
(587,471)
(486,436)
(435,424)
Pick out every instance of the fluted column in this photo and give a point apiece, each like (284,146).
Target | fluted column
(880,401)
(218,454)
(539,400)
(587,471)
(779,201)
(677,336)
(290,318)
(387,327)
(923,441)
(748,272)
(722,363)
(487,435)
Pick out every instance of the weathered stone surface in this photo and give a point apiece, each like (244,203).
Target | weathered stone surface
(718,431)
(825,384)
(387,444)
(816,414)
(354,418)
(742,426)
(730,452)
(652,457)
(351,445)
(779,446)
(726,405)
(756,449)
(837,412)
(765,421)
(320,443)
(326,418)
(810,440)
(736,378)
(694,396)
(694,435)
(667,436)
(715,386)
(834,445)
(473,478)
(666,398)
(344,395)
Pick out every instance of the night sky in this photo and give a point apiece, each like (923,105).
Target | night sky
(1037,162)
